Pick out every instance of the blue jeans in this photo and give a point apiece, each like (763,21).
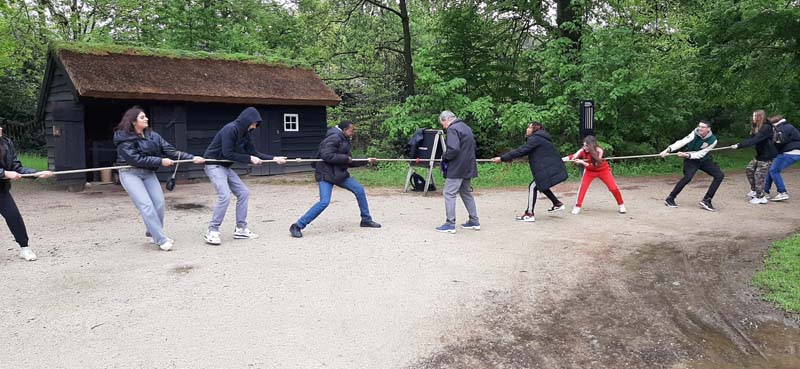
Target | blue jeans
(145,191)
(225,182)
(781,162)
(325,190)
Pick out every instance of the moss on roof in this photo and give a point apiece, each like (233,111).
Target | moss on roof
(105,49)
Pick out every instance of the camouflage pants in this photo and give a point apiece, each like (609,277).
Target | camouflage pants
(757,171)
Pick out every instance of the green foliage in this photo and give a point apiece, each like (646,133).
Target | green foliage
(781,274)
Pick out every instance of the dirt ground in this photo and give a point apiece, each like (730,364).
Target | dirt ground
(654,288)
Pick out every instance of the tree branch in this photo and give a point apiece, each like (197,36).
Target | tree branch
(376,3)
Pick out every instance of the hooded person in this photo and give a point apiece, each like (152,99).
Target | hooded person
(786,138)
(233,142)
(695,150)
(11,169)
(335,150)
(146,151)
(547,168)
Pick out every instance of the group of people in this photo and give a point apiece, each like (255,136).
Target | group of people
(777,145)
(776,141)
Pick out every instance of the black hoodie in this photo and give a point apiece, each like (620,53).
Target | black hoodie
(9,161)
(233,142)
(762,140)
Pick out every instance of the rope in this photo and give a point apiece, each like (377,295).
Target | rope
(655,155)
(301,160)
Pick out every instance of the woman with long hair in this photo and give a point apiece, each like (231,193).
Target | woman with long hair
(11,169)
(758,168)
(145,150)
(590,156)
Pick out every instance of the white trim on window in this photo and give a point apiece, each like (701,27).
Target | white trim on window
(291,122)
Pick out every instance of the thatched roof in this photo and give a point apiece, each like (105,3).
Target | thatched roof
(128,74)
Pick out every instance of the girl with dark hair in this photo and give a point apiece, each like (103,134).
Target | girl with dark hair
(758,168)
(145,150)
(547,168)
(11,169)
(590,156)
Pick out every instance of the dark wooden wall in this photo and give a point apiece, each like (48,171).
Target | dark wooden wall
(63,121)
(80,131)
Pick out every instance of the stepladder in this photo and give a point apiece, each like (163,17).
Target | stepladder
(431,150)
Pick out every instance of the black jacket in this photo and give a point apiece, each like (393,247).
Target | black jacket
(9,161)
(145,152)
(786,137)
(546,165)
(765,148)
(460,153)
(335,151)
(233,141)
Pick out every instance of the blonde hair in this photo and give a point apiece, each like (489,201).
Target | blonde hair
(759,118)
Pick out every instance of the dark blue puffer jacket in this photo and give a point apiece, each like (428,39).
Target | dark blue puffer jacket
(786,137)
(145,151)
(233,141)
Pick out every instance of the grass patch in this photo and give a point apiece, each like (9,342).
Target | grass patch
(392,174)
(34,161)
(781,274)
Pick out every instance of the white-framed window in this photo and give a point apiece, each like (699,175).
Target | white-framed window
(291,123)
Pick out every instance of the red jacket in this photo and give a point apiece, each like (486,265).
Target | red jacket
(584,155)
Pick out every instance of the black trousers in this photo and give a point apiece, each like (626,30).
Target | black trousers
(690,167)
(533,194)
(9,211)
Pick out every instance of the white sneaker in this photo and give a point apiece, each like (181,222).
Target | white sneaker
(212,238)
(622,209)
(525,217)
(576,210)
(243,233)
(752,194)
(780,197)
(759,200)
(166,245)
(27,254)
(153,240)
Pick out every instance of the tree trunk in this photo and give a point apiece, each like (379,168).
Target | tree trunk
(407,60)
(565,13)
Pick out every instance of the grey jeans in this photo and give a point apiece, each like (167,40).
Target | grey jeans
(453,186)
(226,181)
(145,191)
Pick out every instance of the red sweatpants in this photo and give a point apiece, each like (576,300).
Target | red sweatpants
(606,177)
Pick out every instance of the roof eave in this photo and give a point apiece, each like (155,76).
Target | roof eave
(206,99)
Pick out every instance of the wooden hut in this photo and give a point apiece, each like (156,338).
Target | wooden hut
(188,99)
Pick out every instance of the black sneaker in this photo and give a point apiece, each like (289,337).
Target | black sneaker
(370,224)
(556,208)
(670,202)
(295,231)
(706,204)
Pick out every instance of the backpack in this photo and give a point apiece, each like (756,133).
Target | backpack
(418,183)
